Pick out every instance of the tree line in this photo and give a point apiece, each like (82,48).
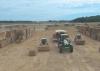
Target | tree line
(87,19)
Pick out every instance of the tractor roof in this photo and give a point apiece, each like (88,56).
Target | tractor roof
(43,38)
(64,34)
(60,31)
(78,34)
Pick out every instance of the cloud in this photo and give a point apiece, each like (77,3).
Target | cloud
(47,9)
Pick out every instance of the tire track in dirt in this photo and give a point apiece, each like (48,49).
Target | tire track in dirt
(77,55)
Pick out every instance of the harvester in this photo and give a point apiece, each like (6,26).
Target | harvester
(43,45)
(79,40)
(65,44)
(57,34)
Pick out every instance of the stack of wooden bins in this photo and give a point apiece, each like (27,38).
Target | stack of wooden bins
(28,32)
(2,37)
(24,34)
(31,32)
(94,32)
(90,31)
(97,33)
(80,29)
(86,27)
(98,36)
(13,36)
(83,29)
(9,35)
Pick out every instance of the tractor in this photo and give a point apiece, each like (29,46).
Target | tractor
(43,45)
(79,40)
(65,46)
(62,37)
(64,43)
(57,34)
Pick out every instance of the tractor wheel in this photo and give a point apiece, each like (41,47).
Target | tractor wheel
(60,50)
(59,45)
(71,49)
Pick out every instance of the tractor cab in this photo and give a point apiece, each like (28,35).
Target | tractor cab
(79,40)
(66,46)
(62,37)
(78,36)
(44,46)
(44,41)
(59,32)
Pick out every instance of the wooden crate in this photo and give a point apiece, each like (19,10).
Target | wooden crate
(94,33)
(32,53)
(98,37)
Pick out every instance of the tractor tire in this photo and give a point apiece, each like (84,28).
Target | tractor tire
(71,49)
(59,45)
(60,50)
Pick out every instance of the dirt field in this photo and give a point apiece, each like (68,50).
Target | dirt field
(84,58)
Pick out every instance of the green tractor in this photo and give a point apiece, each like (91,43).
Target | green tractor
(64,44)
(63,36)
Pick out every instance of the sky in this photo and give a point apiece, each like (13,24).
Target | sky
(38,10)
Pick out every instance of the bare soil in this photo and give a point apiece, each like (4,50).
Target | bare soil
(84,58)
